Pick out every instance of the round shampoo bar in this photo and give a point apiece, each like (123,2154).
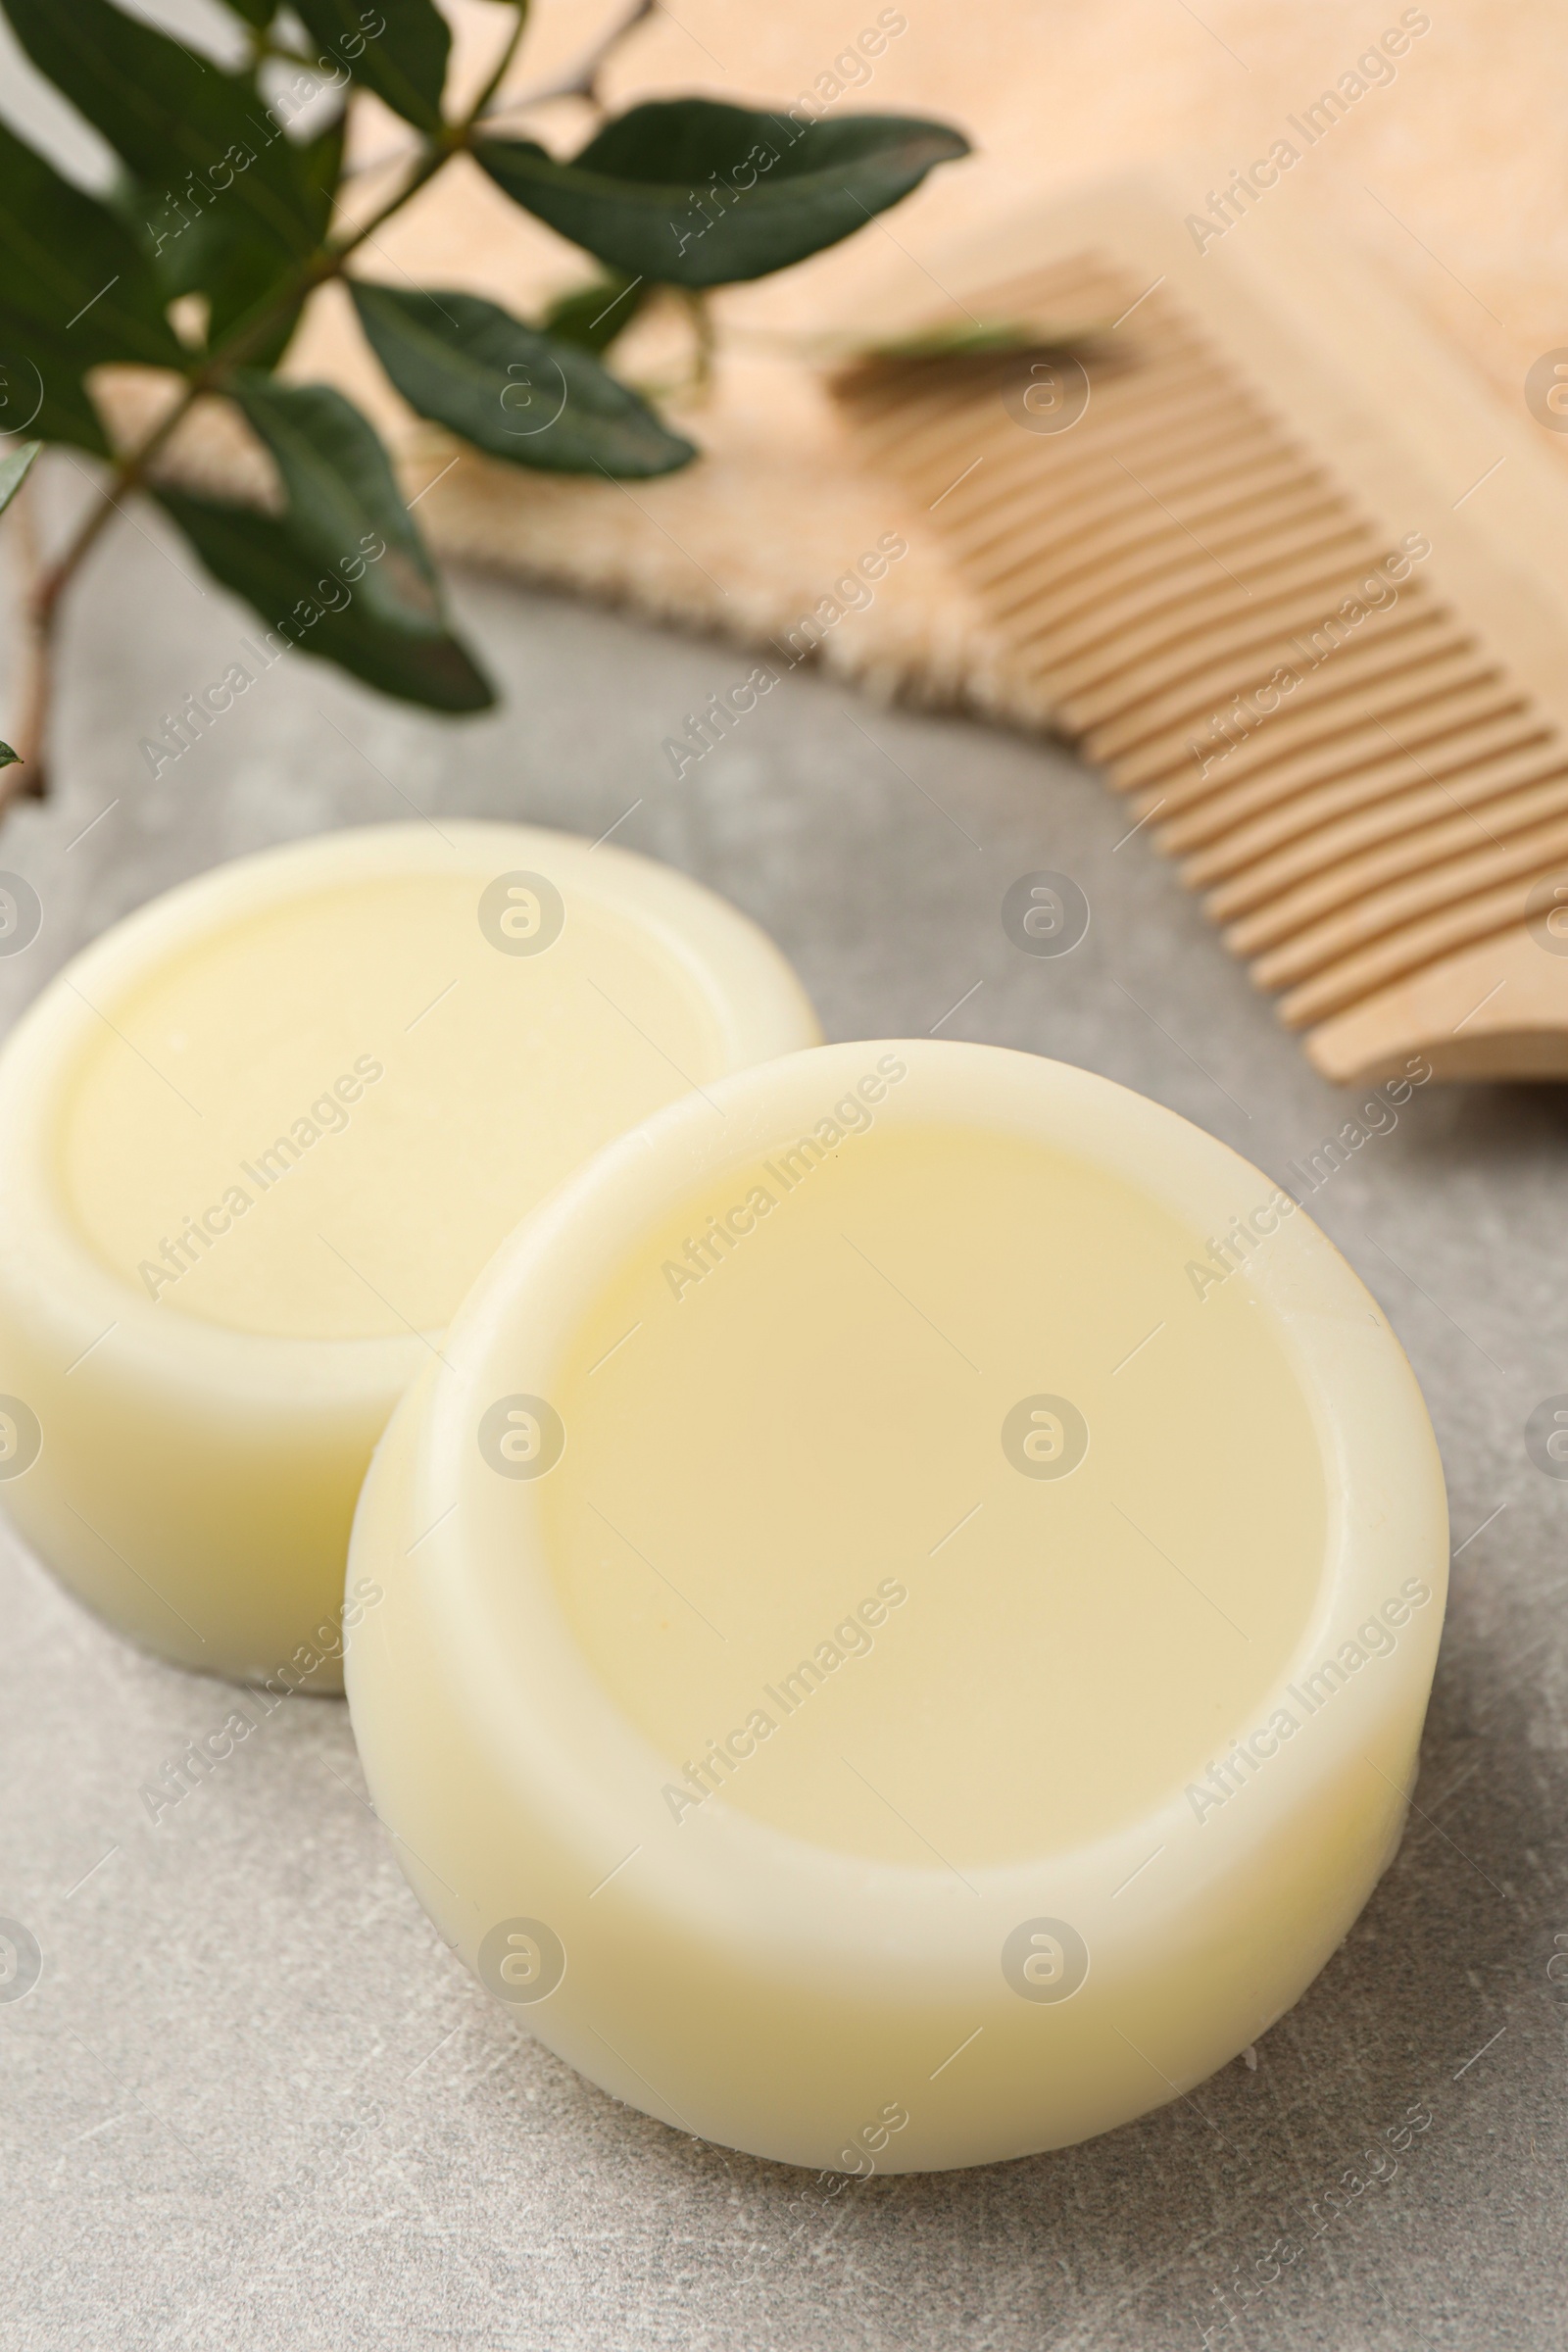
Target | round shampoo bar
(254,1145)
(907,1607)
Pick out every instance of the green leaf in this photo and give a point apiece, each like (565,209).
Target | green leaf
(243,275)
(405,63)
(594,315)
(42,391)
(322,167)
(260,558)
(72,267)
(9,758)
(76,289)
(192,136)
(512,391)
(14,467)
(688,192)
(256,12)
(342,494)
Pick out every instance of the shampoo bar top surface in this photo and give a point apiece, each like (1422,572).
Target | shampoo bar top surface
(910,1600)
(254,1145)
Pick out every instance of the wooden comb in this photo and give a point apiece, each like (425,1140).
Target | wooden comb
(1269,433)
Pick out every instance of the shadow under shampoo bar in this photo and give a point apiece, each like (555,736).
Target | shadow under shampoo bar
(256,1143)
(901,1646)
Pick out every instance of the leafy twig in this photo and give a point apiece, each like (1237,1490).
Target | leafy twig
(662,203)
(132,468)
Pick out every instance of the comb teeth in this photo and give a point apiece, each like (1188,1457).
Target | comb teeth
(1401,831)
(1356,783)
(1247,817)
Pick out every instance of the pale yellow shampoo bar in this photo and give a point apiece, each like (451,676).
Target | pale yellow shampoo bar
(905,1662)
(254,1145)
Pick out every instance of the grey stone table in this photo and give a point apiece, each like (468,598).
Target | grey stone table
(253,2102)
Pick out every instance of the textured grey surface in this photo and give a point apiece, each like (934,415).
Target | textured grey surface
(252,2101)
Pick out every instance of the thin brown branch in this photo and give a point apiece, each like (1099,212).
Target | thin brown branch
(703,343)
(45,590)
(502,68)
(27,778)
(20,780)
(582,81)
